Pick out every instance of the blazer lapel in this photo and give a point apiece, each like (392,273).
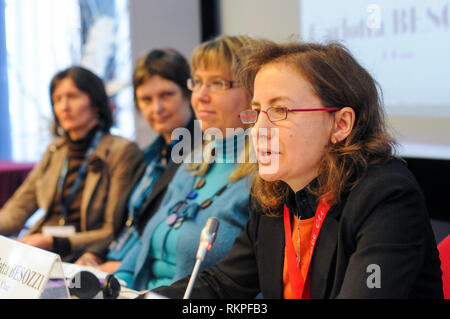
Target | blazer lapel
(271,259)
(162,183)
(323,256)
(169,172)
(96,171)
(49,180)
(136,178)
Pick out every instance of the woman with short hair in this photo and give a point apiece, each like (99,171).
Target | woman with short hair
(161,96)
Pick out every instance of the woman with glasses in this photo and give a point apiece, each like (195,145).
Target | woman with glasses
(334,214)
(213,186)
(163,99)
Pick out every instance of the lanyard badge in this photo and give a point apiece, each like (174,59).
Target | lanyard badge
(82,172)
(300,287)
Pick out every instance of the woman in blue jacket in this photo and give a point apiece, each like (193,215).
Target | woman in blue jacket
(214,187)
(163,99)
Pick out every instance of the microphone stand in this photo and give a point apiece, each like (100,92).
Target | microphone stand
(187,294)
(207,238)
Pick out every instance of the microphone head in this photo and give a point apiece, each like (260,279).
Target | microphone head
(84,285)
(207,237)
(209,232)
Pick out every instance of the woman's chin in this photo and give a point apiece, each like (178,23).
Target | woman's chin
(269,173)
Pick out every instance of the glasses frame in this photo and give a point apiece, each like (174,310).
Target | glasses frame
(227,85)
(287,110)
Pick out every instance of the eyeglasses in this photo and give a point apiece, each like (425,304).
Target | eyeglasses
(277,113)
(214,85)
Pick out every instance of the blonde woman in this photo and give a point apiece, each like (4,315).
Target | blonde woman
(214,187)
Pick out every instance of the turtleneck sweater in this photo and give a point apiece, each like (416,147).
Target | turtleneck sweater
(162,254)
(76,154)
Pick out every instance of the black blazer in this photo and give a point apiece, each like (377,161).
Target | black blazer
(150,205)
(383,221)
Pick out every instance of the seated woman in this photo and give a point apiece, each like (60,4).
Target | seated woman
(216,186)
(81,175)
(336,215)
(163,99)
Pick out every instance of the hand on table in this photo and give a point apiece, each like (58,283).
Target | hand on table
(89,259)
(38,240)
(109,267)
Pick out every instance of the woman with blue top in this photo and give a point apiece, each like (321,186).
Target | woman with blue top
(216,186)
(161,96)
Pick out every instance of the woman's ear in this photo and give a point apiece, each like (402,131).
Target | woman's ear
(344,119)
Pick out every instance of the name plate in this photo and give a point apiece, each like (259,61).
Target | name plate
(25,271)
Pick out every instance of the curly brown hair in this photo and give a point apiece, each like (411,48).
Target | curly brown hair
(338,80)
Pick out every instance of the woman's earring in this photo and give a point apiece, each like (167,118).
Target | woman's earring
(333,140)
(60,130)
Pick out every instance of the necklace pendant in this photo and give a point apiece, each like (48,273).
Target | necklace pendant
(179,206)
(192,195)
(205,203)
(171,219)
(178,223)
(200,183)
(62,222)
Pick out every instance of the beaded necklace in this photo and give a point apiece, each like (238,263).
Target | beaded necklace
(180,212)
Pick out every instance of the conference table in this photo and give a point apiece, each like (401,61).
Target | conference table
(12,175)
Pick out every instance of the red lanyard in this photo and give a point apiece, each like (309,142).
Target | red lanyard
(295,275)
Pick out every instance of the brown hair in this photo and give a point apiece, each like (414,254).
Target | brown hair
(167,63)
(339,81)
(89,83)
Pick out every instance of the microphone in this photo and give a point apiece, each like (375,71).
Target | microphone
(85,285)
(207,238)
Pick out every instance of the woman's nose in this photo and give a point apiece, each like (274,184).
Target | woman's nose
(263,131)
(63,104)
(202,93)
(262,122)
(159,106)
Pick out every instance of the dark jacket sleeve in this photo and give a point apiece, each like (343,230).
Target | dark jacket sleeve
(383,248)
(388,228)
(236,276)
